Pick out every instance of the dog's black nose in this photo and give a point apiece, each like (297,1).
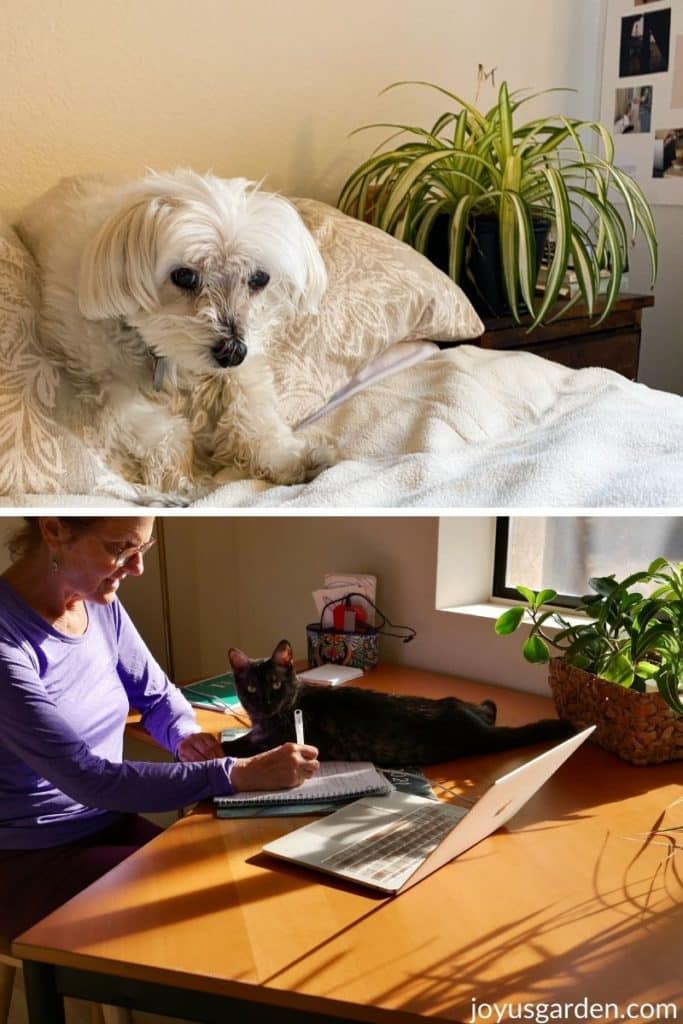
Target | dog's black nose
(229,352)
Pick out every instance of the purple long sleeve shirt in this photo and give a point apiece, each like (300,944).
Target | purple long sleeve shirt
(63,707)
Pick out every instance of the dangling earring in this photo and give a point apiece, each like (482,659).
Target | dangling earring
(55,564)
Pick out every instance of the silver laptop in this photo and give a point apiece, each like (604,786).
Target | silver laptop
(392,842)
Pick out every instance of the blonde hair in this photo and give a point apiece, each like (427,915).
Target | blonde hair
(28,537)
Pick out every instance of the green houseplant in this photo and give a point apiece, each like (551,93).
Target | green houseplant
(471,164)
(621,668)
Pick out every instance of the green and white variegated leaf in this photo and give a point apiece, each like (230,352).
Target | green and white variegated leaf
(476,116)
(404,184)
(562,224)
(429,215)
(586,271)
(458,231)
(615,244)
(505,114)
(518,249)
(546,163)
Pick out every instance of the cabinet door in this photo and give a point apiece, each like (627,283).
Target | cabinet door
(145,601)
(8,524)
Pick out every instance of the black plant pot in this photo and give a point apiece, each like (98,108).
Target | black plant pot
(482,275)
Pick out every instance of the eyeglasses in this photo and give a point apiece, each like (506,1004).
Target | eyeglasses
(121,558)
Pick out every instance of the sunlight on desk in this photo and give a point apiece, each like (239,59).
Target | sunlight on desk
(570,901)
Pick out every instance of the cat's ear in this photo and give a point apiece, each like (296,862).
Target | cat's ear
(283,656)
(238,659)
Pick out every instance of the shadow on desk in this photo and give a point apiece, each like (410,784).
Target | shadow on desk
(472,974)
(472,775)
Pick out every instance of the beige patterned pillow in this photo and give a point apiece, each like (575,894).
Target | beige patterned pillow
(380,291)
(38,455)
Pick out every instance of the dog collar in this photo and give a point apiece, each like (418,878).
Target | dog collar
(164,367)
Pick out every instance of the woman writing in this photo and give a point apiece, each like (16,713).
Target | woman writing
(71,665)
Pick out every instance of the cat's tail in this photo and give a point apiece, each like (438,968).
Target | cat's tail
(507,737)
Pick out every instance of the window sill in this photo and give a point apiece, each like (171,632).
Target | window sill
(492,609)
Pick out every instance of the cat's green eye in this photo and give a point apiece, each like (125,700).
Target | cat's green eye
(277,684)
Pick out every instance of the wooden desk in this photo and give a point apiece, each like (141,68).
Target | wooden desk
(571,902)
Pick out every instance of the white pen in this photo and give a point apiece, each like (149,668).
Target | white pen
(299,726)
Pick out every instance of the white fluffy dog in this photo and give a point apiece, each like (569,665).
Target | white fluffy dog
(158,299)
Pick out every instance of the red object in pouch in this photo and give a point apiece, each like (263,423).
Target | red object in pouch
(343,617)
(346,617)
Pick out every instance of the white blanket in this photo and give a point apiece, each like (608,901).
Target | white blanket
(475,428)
(470,428)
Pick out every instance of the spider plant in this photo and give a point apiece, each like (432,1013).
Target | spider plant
(471,163)
(630,638)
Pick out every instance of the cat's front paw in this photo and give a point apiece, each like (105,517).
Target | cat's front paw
(488,711)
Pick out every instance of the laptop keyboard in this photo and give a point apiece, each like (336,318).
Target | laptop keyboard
(391,855)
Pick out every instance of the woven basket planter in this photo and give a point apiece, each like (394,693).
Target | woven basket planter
(638,727)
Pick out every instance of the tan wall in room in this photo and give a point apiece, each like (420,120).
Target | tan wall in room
(203,597)
(247,582)
(272,565)
(268,89)
(273,90)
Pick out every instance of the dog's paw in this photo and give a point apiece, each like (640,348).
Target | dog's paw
(286,467)
(228,475)
(281,472)
(319,458)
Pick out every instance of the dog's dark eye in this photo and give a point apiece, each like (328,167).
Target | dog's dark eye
(185,278)
(258,280)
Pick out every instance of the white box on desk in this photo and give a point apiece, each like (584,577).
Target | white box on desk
(331,675)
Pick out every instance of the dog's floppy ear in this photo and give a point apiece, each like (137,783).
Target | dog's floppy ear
(275,229)
(117,273)
(314,273)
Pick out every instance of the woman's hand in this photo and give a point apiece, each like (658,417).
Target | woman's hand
(280,768)
(199,746)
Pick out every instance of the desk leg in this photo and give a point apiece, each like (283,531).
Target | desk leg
(43,1000)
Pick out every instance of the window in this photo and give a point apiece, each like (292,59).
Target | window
(565,552)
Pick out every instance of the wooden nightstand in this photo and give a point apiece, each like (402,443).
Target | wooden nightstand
(574,340)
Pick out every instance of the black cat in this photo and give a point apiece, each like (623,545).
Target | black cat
(354,724)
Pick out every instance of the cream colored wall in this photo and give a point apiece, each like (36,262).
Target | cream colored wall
(273,89)
(269,89)
(247,582)
(203,577)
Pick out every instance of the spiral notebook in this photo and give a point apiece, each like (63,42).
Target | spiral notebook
(405,780)
(334,781)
